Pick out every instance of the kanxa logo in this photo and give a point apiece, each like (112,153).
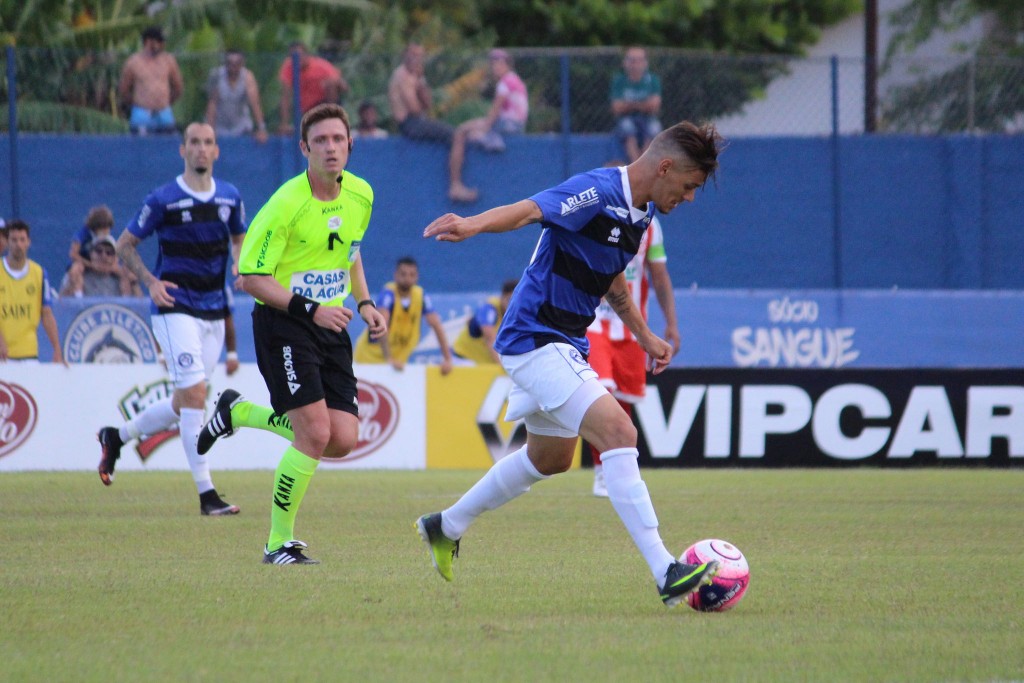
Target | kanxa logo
(489,420)
(283,492)
(137,400)
(378,419)
(18,415)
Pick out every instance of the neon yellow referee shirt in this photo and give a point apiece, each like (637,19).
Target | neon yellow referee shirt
(307,245)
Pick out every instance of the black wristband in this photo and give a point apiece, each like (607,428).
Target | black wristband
(365,302)
(301,307)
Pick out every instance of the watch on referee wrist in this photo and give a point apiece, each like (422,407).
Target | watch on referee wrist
(365,302)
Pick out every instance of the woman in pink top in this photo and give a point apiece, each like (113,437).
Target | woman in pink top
(507,116)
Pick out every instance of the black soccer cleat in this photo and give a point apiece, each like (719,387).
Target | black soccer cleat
(681,579)
(210,504)
(289,553)
(110,448)
(220,423)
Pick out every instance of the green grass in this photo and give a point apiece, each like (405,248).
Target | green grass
(858,575)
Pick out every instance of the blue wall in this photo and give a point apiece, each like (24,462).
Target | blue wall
(912,212)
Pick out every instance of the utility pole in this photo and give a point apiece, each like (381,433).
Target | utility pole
(870,66)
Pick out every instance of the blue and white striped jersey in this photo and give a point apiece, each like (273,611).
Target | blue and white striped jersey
(590,233)
(194,234)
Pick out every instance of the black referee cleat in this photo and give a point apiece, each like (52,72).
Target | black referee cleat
(220,423)
(289,553)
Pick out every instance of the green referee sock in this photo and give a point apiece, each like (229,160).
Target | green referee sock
(290,483)
(248,414)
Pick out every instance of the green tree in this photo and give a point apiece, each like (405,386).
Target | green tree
(735,26)
(983,91)
(70,51)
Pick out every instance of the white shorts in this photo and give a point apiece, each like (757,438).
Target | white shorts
(552,389)
(190,346)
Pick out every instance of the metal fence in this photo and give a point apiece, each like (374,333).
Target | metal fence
(59,90)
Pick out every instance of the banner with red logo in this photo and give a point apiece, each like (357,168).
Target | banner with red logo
(49,416)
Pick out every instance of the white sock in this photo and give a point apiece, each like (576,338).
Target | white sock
(191,424)
(155,418)
(632,502)
(509,478)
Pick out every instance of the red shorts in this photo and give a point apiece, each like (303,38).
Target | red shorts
(620,365)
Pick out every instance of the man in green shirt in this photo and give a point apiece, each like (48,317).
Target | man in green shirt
(635,101)
(300,260)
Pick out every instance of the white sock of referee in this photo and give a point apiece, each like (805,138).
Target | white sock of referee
(632,502)
(508,478)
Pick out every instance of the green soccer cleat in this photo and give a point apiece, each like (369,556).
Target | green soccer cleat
(442,549)
(682,579)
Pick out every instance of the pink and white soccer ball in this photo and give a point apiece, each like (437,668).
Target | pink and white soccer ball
(728,587)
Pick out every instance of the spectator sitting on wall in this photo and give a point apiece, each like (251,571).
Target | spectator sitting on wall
(506,116)
(367,127)
(319,82)
(104,276)
(234,99)
(636,102)
(150,83)
(411,100)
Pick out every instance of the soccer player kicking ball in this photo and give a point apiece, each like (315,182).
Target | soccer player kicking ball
(593,224)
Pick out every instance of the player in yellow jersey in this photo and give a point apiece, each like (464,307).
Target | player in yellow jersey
(404,305)
(25,299)
(476,341)
(300,260)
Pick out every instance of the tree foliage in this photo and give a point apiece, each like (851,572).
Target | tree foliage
(920,19)
(982,91)
(735,26)
(69,51)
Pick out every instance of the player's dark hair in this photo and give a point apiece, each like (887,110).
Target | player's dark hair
(18,224)
(322,112)
(407,261)
(701,143)
(508,286)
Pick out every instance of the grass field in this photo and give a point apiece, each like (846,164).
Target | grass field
(857,575)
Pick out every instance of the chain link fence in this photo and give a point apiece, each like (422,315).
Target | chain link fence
(61,90)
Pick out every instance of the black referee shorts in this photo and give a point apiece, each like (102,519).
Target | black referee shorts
(302,362)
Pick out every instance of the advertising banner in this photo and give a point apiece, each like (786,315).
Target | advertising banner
(815,418)
(466,418)
(49,416)
(720,328)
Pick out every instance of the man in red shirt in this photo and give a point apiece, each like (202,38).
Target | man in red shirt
(319,82)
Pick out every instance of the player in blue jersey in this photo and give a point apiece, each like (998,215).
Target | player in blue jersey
(199,222)
(592,225)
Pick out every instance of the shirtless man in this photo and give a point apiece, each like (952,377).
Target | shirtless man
(150,84)
(411,100)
